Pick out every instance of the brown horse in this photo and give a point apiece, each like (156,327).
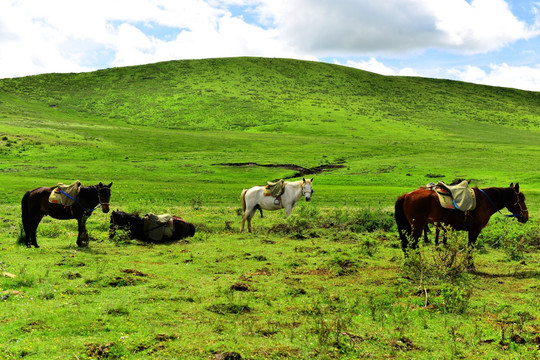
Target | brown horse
(35,205)
(414,210)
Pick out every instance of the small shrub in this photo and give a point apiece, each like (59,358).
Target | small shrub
(455,299)
(197,202)
(121,237)
(367,220)
(223,309)
(449,263)
(304,218)
(369,245)
(344,265)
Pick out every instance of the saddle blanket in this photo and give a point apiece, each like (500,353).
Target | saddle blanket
(72,190)
(274,189)
(158,226)
(460,196)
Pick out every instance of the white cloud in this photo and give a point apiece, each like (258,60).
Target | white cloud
(480,26)
(521,77)
(364,27)
(375,66)
(62,35)
(39,36)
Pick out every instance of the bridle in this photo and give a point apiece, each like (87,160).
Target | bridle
(305,192)
(86,210)
(517,203)
(101,203)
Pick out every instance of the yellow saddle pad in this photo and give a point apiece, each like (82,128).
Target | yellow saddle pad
(57,197)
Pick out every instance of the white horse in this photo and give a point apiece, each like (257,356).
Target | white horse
(254,199)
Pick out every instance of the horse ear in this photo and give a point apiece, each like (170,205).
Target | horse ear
(511,185)
(100,184)
(304,179)
(311,179)
(109,184)
(517,188)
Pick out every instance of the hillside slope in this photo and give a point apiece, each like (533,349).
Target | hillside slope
(271,94)
(176,123)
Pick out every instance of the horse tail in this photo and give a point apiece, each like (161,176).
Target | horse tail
(25,211)
(404,227)
(243,197)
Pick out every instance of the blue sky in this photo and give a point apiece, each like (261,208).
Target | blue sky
(494,42)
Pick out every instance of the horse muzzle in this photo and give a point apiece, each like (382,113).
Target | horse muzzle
(105,208)
(524,217)
(308,198)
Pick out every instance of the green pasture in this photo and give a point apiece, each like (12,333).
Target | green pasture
(330,281)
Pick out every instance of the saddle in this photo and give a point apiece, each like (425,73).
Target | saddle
(58,197)
(275,189)
(460,196)
(158,226)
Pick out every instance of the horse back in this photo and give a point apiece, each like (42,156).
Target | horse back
(38,201)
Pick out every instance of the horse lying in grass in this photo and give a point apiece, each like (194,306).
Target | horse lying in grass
(173,228)
(414,210)
(35,205)
(254,199)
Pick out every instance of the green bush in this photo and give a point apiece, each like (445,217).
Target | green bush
(368,220)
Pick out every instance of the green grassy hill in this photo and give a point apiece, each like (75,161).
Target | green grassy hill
(175,122)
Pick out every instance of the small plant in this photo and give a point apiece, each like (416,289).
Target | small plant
(367,220)
(447,263)
(121,236)
(197,202)
(455,299)
(369,245)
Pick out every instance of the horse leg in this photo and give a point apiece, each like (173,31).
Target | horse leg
(426,239)
(437,232)
(444,237)
(417,233)
(82,236)
(248,215)
(473,235)
(31,238)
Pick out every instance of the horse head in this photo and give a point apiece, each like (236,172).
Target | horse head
(104,196)
(516,205)
(307,188)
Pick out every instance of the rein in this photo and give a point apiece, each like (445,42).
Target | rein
(77,201)
(498,210)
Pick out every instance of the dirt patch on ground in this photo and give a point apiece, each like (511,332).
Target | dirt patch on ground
(300,171)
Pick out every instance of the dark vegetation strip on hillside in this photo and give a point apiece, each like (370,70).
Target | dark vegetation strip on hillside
(300,171)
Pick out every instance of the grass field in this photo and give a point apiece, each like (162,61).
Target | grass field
(330,281)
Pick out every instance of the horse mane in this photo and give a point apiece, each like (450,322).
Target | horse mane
(503,195)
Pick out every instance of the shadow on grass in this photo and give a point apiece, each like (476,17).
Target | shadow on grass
(530,274)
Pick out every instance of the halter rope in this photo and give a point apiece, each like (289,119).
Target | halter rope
(499,211)
(77,201)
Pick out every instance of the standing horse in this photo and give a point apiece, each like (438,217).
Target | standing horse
(253,199)
(35,205)
(414,210)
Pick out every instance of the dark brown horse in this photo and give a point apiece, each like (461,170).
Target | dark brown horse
(35,205)
(414,210)
(134,225)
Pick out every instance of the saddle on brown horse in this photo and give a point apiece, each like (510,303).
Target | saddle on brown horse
(158,226)
(460,197)
(65,194)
